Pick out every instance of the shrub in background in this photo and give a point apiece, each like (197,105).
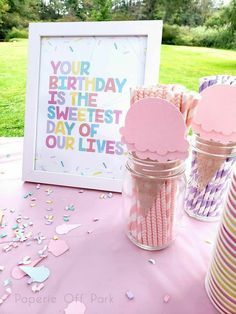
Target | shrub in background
(16,33)
(201,36)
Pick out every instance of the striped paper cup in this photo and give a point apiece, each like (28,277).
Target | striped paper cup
(221,278)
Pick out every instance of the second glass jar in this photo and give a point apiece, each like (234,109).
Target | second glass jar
(153,197)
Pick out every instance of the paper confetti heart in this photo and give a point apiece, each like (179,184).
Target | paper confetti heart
(57,247)
(37,274)
(75,307)
(130,295)
(64,229)
(36,288)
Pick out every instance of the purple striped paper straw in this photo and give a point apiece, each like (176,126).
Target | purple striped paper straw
(207,81)
(206,204)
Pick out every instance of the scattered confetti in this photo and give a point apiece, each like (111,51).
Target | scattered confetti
(25,261)
(39,238)
(1,217)
(106,195)
(90,231)
(95,219)
(9,247)
(62,163)
(58,247)
(66,218)
(166,298)
(115,46)
(130,295)
(19,219)
(7,282)
(49,201)
(81,191)
(152,261)
(28,194)
(97,173)
(208,241)
(37,274)
(6,295)
(49,219)
(71,49)
(38,186)
(42,252)
(8,290)
(70,207)
(105,166)
(49,191)
(64,229)
(75,307)
(36,288)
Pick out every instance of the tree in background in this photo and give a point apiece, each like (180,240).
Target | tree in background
(187,12)
(78,9)
(52,10)
(208,22)
(102,10)
(150,9)
(231,15)
(4,7)
(17,13)
(128,10)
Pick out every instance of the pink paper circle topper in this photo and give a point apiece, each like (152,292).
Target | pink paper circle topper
(215,117)
(155,129)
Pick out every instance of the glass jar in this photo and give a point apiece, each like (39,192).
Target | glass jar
(211,169)
(153,198)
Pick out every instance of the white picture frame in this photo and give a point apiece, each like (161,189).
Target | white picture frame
(147,33)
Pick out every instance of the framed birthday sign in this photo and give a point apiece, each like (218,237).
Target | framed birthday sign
(78,93)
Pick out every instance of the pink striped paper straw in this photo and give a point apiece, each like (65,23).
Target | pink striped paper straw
(163,214)
(159,221)
(154,226)
(186,101)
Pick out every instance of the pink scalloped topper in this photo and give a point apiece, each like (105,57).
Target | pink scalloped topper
(155,129)
(215,117)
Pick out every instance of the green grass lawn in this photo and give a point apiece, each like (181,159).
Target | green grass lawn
(183,65)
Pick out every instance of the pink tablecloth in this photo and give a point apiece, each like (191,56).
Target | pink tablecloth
(102,265)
